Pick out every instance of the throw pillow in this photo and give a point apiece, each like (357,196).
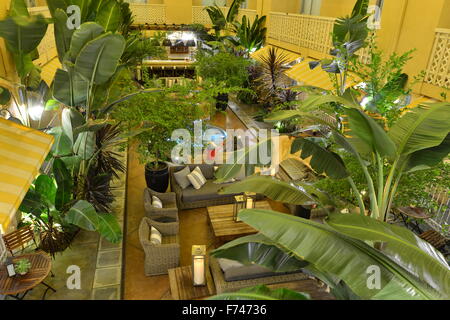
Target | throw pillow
(196,178)
(181,177)
(156,202)
(155,237)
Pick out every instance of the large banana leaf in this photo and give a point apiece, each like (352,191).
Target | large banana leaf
(62,146)
(70,88)
(18,8)
(411,252)
(88,31)
(23,34)
(63,35)
(247,157)
(109,16)
(423,127)
(365,128)
(46,187)
(294,192)
(109,228)
(99,58)
(262,293)
(83,215)
(64,183)
(85,145)
(71,119)
(428,158)
(258,249)
(322,160)
(347,258)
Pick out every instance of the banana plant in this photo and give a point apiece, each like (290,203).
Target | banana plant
(347,248)
(90,60)
(349,36)
(249,36)
(22,34)
(50,201)
(419,140)
(220,21)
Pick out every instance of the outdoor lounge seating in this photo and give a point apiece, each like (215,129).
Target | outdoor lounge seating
(169,205)
(248,276)
(159,258)
(207,195)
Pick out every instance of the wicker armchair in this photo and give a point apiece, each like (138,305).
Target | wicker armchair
(159,258)
(168,200)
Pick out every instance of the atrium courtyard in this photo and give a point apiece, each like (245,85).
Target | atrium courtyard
(224,150)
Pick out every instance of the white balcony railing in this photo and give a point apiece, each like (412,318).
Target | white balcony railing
(306,31)
(148,13)
(251,14)
(438,71)
(199,15)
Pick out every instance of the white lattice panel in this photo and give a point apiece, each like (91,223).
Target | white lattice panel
(251,14)
(148,13)
(199,15)
(438,72)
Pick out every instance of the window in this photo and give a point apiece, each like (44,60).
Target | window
(375,18)
(311,7)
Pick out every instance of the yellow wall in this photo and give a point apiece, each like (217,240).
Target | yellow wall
(178,11)
(289,6)
(418,31)
(336,8)
(444,22)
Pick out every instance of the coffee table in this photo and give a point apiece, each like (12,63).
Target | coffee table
(182,288)
(225,228)
(18,286)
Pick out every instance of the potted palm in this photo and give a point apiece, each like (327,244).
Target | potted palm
(158,114)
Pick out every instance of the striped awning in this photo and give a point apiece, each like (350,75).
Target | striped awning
(317,77)
(22,152)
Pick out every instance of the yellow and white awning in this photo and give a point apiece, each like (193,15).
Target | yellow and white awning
(22,152)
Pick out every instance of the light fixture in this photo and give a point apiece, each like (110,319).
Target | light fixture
(239,204)
(244,201)
(35,111)
(199,265)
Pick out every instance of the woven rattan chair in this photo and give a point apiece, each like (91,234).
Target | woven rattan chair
(168,200)
(160,258)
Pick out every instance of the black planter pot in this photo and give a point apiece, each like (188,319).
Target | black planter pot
(158,179)
(222,101)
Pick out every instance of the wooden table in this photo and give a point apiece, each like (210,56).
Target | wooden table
(225,228)
(182,288)
(41,265)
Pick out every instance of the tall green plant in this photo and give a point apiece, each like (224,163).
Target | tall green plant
(251,37)
(419,140)
(344,249)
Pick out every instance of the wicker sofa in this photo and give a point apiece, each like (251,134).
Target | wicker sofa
(160,258)
(206,196)
(222,285)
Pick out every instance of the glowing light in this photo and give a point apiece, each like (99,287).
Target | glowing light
(35,112)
